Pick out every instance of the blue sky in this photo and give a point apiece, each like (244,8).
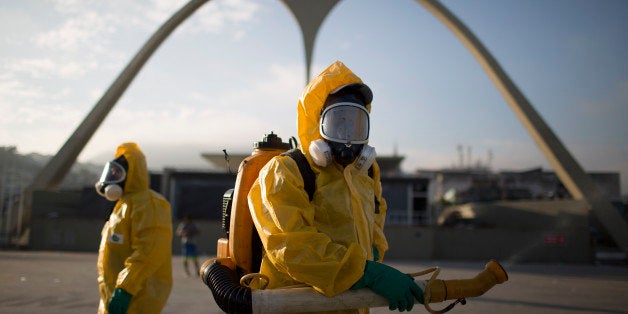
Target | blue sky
(235,69)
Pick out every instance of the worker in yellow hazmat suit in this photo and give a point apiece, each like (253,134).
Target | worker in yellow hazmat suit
(334,242)
(134,259)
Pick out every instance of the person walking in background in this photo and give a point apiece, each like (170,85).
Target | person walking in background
(135,254)
(188,231)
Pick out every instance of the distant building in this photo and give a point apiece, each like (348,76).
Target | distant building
(457,186)
(406,195)
(527,231)
(390,165)
(415,198)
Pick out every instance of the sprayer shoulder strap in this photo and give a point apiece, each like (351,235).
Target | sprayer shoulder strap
(309,178)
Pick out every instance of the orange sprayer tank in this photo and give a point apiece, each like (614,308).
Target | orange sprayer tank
(242,234)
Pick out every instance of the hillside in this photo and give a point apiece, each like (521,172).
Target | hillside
(17,171)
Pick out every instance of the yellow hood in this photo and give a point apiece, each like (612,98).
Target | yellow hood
(137,175)
(313,98)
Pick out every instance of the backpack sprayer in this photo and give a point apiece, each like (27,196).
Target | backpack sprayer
(237,287)
(247,295)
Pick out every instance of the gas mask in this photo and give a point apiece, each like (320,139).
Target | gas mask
(344,126)
(323,152)
(111,182)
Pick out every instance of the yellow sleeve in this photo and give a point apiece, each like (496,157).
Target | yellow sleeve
(151,237)
(285,221)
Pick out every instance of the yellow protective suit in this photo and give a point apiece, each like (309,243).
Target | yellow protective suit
(324,243)
(136,247)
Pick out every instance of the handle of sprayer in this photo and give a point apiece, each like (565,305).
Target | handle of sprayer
(300,299)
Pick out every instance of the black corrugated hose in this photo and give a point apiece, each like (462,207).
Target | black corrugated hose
(230,296)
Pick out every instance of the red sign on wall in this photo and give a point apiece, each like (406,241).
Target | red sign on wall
(554,239)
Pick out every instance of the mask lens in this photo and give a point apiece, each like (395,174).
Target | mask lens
(112,173)
(345,123)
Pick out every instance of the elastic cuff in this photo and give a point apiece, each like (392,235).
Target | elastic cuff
(361,283)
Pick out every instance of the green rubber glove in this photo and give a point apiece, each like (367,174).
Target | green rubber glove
(119,302)
(398,288)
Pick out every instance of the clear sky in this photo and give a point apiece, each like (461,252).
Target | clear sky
(235,69)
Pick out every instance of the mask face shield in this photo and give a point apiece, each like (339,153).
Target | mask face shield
(112,173)
(112,179)
(346,123)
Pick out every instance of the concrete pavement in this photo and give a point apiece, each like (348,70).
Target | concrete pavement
(65,282)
